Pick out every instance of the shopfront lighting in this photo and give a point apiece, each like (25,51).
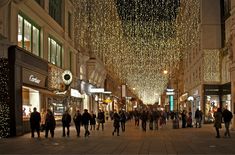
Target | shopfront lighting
(190,98)
(165,72)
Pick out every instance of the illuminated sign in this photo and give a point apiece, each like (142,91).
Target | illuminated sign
(170,93)
(75,93)
(34,79)
(96,90)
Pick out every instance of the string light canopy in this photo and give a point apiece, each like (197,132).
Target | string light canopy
(138,39)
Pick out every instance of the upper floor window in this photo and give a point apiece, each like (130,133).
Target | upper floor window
(40,2)
(226,9)
(28,35)
(69,24)
(54,52)
(55,10)
(70,60)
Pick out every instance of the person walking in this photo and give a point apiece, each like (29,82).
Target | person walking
(35,120)
(184,119)
(227,116)
(136,117)
(116,122)
(100,119)
(86,117)
(156,116)
(50,123)
(66,120)
(77,119)
(144,118)
(123,120)
(218,120)
(198,117)
(93,121)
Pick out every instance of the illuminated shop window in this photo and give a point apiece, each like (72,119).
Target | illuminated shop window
(54,52)
(28,35)
(30,99)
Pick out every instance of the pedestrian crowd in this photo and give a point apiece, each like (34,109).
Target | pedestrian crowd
(155,119)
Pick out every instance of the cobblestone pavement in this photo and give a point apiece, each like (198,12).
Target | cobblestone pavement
(134,141)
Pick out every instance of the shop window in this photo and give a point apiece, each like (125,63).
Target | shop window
(212,103)
(30,99)
(54,52)
(28,35)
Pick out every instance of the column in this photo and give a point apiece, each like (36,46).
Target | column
(231,50)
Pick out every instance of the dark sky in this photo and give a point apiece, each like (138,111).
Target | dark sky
(147,10)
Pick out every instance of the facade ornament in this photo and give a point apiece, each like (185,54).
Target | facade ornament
(230,47)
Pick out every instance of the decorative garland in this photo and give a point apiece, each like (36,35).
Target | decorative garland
(4,96)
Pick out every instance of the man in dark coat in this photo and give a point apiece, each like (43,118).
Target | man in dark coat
(100,119)
(227,115)
(86,117)
(35,120)
(77,121)
(66,120)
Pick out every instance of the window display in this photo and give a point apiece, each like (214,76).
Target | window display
(31,99)
(212,103)
(226,102)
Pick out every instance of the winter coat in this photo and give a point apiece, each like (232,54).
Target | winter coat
(35,120)
(218,119)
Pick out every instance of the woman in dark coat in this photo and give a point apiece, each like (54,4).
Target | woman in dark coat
(93,121)
(218,120)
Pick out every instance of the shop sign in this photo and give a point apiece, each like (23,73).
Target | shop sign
(170,93)
(96,90)
(33,78)
(75,93)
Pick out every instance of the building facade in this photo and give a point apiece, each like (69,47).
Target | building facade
(207,65)
(43,33)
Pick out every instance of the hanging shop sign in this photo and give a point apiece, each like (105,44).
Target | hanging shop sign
(67,77)
(123,92)
(96,90)
(75,93)
(33,78)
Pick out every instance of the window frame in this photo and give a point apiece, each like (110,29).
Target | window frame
(33,24)
(49,51)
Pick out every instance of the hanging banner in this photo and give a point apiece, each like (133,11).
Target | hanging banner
(123,91)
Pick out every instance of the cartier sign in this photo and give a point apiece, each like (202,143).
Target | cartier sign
(33,78)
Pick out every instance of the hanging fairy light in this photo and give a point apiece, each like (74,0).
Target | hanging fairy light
(137,40)
(4,102)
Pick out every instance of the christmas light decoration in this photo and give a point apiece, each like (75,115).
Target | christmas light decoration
(137,40)
(4,99)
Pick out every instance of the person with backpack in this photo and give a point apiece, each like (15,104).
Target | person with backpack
(227,116)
